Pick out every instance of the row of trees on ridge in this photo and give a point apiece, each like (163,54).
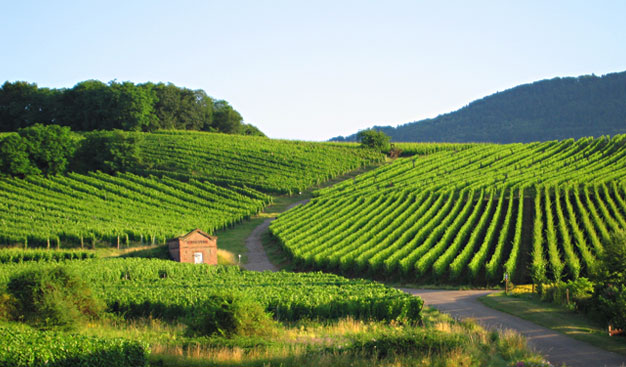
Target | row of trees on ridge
(94,105)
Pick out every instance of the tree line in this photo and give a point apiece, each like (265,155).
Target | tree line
(53,149)
(94,105)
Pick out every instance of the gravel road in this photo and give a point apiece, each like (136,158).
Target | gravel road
(556,347)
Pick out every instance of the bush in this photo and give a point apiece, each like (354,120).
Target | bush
(374,139)
(52,297)
(227,315)
(580,294)
(610,281)
(7,307)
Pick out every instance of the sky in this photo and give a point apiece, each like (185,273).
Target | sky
(312,70)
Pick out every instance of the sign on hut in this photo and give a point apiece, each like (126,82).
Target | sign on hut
(196,247)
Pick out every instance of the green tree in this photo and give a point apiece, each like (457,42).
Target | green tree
(109,151)
(23,104)
(132,107)
(226,119)
(50,148)
(87,106)
(14,158)
(181,108)
(52,297)
(251,130)
(609,275)
(374,139)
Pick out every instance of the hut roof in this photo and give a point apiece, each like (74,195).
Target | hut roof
(197,230)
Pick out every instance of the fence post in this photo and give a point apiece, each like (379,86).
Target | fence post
(506,284)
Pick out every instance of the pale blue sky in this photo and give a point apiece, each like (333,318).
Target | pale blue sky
(315,69)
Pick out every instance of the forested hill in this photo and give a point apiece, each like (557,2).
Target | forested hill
(558,108)
(94,105)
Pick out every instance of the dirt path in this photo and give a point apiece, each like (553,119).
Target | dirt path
(556,347)
(257,258)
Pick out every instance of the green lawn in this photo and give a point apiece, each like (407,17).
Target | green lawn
(555,317)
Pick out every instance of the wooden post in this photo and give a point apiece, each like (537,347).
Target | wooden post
(533,290)
(48,241)
(118,242)
(506,284)
(567,295)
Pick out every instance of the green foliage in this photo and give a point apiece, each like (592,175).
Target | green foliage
(226,119)
(38,149)
(263,164)
(14,157)
(228,315)
(52,297)
(555,198)
(580,293)
(98,207)
(23,104)
(116,151)
(23,346)
(94,105)
(13,255)
(373,139)
(406,342)
(610,279)
(169,290)
(7,307)
(251,130)
(50,147)
(611,266)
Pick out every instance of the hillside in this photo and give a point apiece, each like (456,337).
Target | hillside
(279,166)
(146,187)
(530,210)
(559,108)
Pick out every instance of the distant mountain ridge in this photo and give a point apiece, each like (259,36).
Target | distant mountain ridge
(554,109)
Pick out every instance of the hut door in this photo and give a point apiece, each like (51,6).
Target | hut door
(197,258)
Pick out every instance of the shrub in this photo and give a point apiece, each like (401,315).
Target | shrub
(52,297)
(610,281)
(373,139)
(7,307)
(227,315)
(580,294)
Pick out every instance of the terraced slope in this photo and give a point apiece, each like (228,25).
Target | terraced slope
(468,216)
(85,209)
(264,164)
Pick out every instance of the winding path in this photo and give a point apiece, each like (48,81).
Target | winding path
(257,258)
(557,348)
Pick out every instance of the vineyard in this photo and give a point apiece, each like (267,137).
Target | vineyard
(534,211)
(278,166)
(85,209)
(169,290)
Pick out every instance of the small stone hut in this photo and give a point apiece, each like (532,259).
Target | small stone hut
(196,247)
